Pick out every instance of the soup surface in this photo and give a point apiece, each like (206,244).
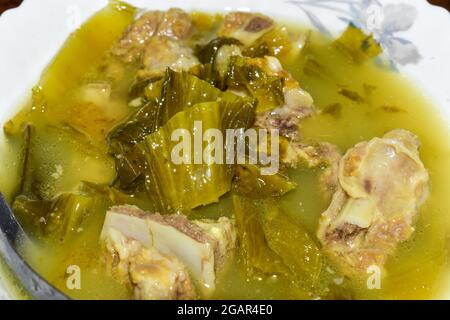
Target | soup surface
(60,143)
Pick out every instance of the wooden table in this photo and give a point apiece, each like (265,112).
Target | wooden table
(8,4)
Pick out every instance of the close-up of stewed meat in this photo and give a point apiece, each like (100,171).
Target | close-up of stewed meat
(382,183)
(174,25)
(188,155)
(157,251)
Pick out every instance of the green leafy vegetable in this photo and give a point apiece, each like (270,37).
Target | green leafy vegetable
(130,166)
(209,70)
(272,43)
(207,54)
(249,182)
(314,69)
(115,197)
(31,214)
(208,73)
(293,244)
(271,243)
(179,91)
(176,92)
(352,95)
(67,214)
(256,255)
(145,88)
(237,112)
(57,218)
(198,179)
(143,122)
(26,182)
(357,44)
(267,89)
(392,109)
(44,177)
(334,110)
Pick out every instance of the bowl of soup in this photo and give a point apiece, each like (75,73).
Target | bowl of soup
(170,150)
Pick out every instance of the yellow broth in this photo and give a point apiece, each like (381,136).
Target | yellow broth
(388,102)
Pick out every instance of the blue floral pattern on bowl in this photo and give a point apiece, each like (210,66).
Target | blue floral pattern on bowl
(384,21)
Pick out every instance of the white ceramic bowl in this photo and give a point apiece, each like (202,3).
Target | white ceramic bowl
(413,33)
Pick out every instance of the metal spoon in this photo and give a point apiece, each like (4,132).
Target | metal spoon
(10,233)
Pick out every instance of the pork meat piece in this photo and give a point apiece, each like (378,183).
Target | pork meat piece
(319,155)
(298,104)
(162,52)
(382,183)
(174,23)
(203,246)
(245,27)
(159,277)
(154,276)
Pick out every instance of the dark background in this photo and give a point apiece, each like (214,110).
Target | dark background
(7,4)
(443,3)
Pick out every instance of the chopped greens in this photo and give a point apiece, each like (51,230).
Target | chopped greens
(194,181)
(59,217)
(334,110)
(65,215)
(350,94)
(179,91)
(184,186)
(44,178)
(207,54)
(392,109)
(358,45)
(314,69)
(256,255)
(268,238)
(209,70)
(275,42)
(175,92)
(266,88)
(145,88)
(248,181)
(113,196)
(285,237)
